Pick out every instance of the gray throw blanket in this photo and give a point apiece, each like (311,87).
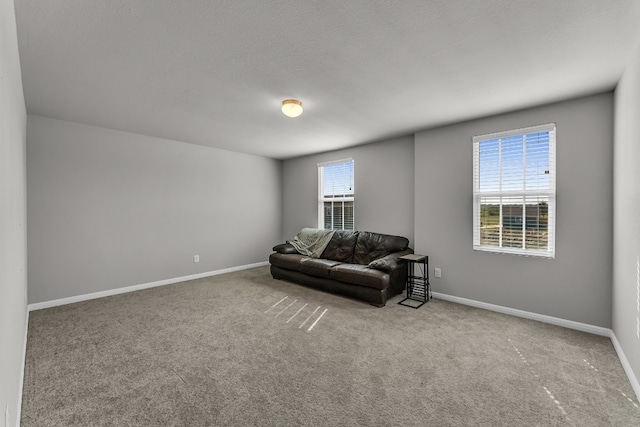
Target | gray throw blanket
(311,241)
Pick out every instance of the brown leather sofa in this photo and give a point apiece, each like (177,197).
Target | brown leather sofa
(357,264)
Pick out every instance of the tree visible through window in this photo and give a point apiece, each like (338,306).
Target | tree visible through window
(514,191)
(335,195)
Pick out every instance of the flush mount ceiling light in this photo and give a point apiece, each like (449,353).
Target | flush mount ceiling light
(291,107)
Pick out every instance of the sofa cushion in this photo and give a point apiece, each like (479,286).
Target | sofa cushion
(288,261)
(317,266)
(360,275)
(371,246)
(285,248)
(341,246)
(390,262)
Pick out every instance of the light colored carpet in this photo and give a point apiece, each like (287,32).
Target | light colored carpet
(231,350)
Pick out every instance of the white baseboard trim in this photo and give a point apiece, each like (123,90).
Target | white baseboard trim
(110,292)
(596,330)
(625,364)
(24,363)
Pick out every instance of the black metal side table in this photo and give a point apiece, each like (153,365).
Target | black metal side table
(418,286)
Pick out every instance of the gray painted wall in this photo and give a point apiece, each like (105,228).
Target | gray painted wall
(109,209)
(626,196)
(13,218)
(576,285)
(383,188)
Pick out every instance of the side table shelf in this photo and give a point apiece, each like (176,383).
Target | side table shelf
(418,286)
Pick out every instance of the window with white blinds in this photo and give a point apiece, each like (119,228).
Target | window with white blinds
(514,191)
(335,195)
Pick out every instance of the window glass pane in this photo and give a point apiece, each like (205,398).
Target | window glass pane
(512,163)
(328,216)
(489,170)
(338,180)
(348,215)
(537,223)
(490,221)
(515,163)
(512,222)
(337,215)
(537,167)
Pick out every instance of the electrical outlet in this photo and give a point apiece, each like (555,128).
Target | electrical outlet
(196,258)
(438,272)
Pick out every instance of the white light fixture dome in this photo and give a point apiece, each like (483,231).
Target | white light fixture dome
(291,107)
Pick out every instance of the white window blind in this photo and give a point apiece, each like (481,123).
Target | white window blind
(336,195)
(514,191)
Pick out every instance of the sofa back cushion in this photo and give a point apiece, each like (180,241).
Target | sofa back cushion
(341,246)
(371,246)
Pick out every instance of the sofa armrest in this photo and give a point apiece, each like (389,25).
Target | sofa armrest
(389,262)
(285,248)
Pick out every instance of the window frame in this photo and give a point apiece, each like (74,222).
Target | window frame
(322,199)
(548,193)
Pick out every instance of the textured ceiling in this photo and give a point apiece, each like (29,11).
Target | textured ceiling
(214,72)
